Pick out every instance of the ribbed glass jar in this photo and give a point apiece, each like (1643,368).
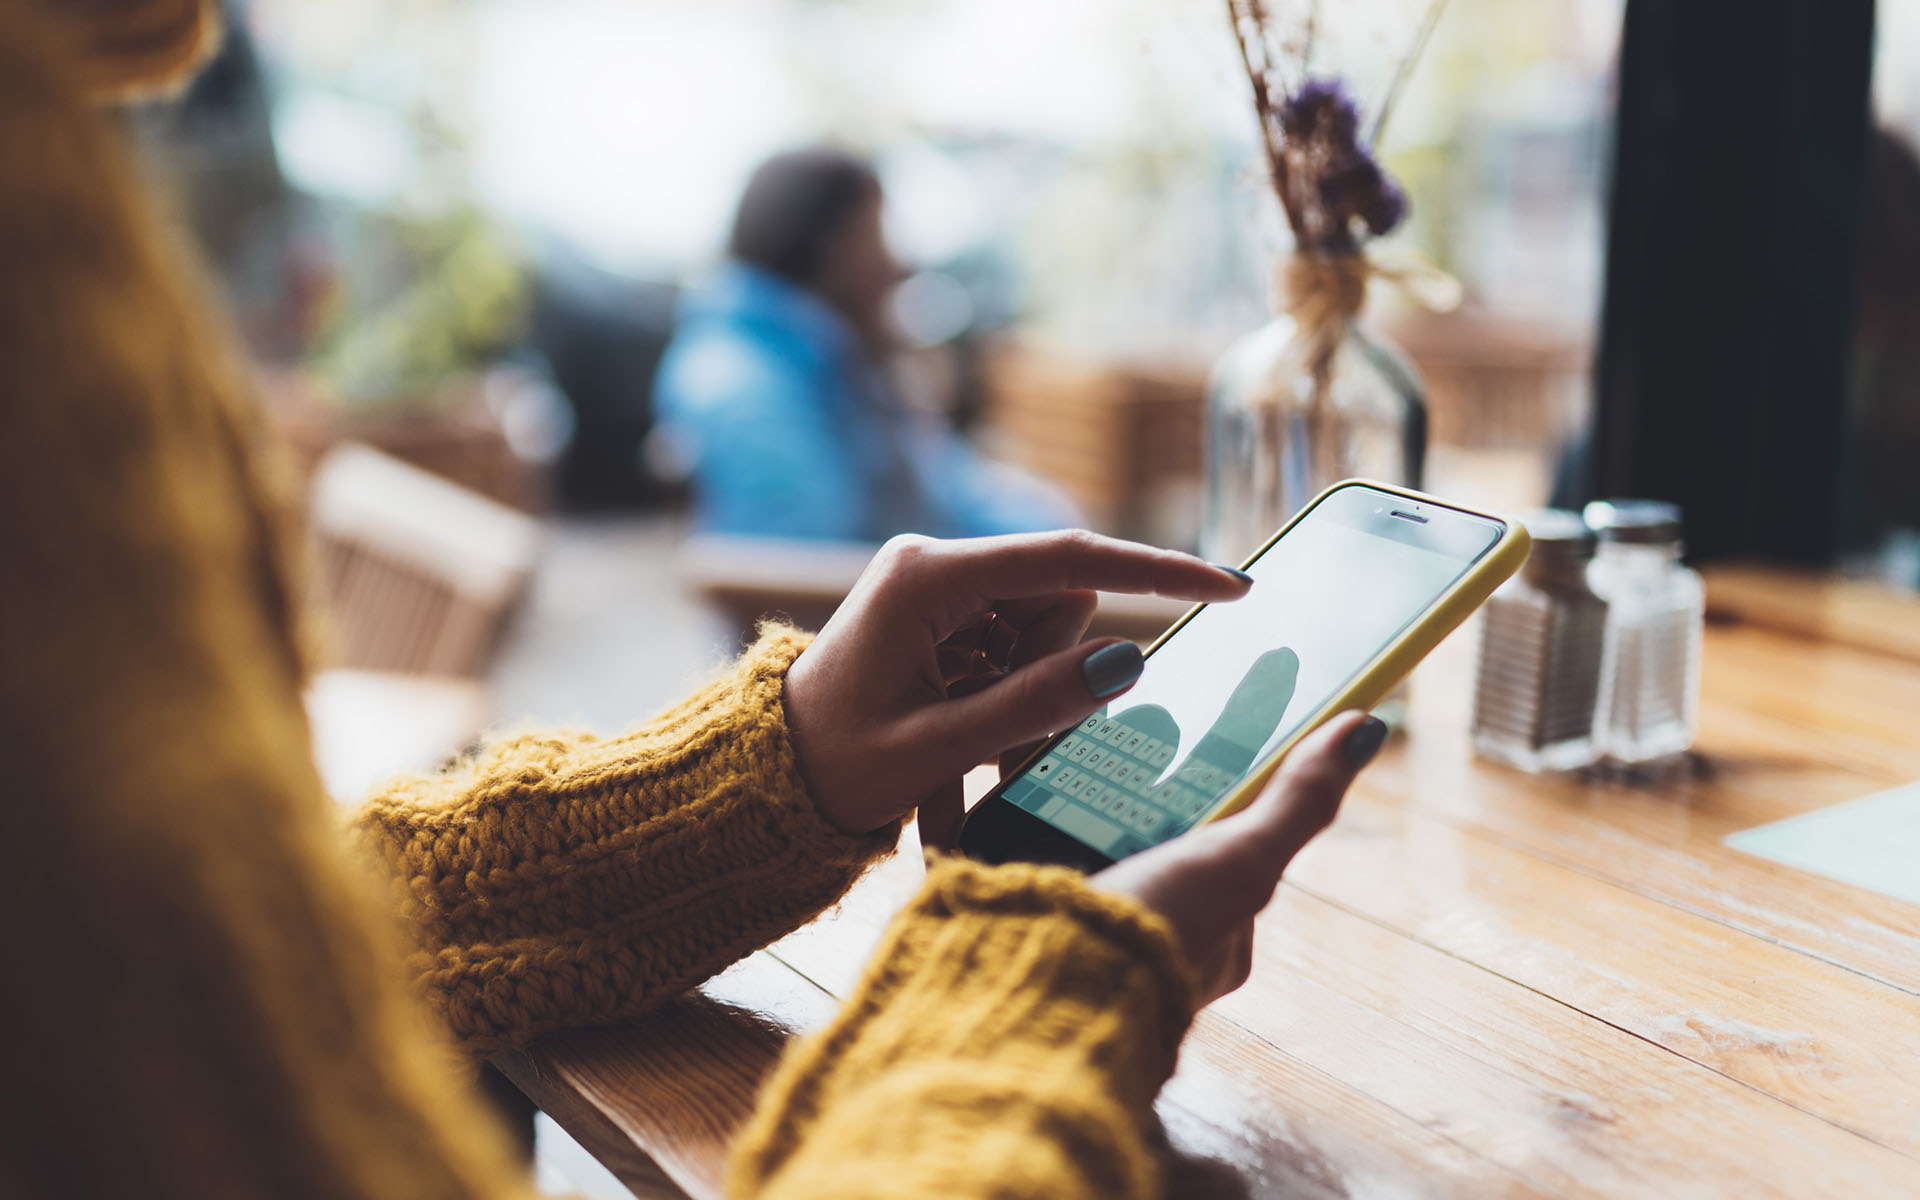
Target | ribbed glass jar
(1541,641)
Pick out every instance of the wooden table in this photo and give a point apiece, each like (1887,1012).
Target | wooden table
(1477,982)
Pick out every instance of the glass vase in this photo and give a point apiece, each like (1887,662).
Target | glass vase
(1274,439)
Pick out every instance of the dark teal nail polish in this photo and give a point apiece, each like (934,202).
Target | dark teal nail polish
(1112,669)
(1236,572)
(1364,742)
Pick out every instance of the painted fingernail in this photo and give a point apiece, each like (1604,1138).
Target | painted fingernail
(1236,572)
(1112,669)
(1365,741)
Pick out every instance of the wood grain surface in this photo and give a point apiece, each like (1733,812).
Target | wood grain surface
(1851,612)
(1478,982)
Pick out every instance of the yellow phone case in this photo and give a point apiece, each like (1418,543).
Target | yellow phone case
(1400,657)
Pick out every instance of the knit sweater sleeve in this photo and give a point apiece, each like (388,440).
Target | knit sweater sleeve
(561,880)
(1007,1040)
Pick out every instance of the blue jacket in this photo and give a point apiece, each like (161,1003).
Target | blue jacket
(794,433)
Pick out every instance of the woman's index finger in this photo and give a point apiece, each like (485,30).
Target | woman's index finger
(1020,565)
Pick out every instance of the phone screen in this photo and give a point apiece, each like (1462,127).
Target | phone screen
(1230,686)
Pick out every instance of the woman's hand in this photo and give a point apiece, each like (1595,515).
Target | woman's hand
(947,654)
(1211,883)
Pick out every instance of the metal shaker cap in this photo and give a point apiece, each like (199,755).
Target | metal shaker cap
(1640,522)
(1558,532)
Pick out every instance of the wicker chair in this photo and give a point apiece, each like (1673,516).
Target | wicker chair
(414,573)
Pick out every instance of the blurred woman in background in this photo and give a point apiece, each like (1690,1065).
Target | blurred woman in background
(777,381)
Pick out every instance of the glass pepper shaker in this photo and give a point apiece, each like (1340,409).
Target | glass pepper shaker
(1650,673)
(1540,653)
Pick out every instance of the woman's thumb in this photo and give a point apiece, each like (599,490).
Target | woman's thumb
(1305,793)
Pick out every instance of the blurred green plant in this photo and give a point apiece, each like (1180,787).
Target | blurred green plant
(419,303)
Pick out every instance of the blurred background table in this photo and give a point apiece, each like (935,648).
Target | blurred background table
(1476,982)
(369,726)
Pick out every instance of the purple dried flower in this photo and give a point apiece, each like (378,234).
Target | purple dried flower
(1387,208)
(1332,175)
(1321,108)
(1356,186)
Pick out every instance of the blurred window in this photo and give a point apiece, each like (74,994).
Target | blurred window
(1089,162)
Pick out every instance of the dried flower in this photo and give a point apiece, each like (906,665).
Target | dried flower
(1331,186)
(1340,185)
(1321,108)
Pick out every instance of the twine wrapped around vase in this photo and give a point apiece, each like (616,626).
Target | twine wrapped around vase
(1323,292)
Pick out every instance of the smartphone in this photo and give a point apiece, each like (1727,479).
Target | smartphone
(1347,598)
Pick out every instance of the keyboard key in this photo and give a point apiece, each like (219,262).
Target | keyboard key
(1092,723)
(1095,756)
(1202,777)
(1134,741)
(1106,726)
(1108,765)
(1078,748)
(1161,756)
(1077,785)
(1122,773)
(1119,736)
(1092,830)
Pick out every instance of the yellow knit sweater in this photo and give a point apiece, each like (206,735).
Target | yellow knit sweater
(203,996)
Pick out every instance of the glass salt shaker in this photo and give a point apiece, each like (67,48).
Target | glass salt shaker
(1540,650)
(1650,672)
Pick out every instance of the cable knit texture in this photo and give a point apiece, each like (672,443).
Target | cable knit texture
(205,999)
(562,879)
(1007,1041)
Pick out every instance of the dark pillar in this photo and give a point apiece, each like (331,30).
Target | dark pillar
(1738,174)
